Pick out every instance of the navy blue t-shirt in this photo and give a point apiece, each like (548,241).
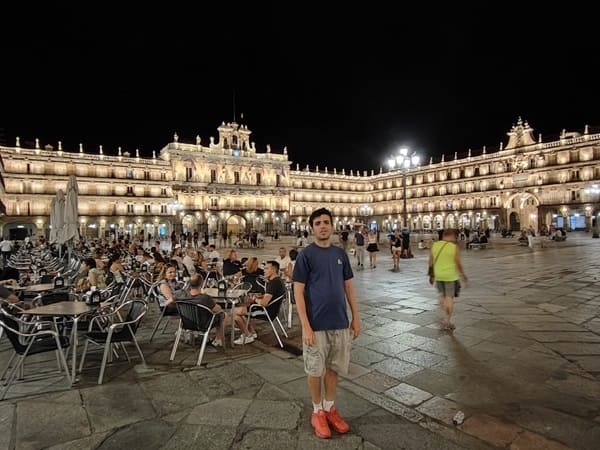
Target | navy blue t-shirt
(323,271)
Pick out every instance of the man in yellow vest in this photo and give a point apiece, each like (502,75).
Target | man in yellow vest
(444,268)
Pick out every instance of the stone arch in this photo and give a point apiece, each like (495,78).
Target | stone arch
(236,224)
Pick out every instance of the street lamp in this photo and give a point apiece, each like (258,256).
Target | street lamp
(403,161)
(365,211)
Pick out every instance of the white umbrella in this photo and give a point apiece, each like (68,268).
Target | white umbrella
(57,216)
(70,230)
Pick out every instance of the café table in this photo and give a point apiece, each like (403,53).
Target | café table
(75,310)
(42,287)
(230,297)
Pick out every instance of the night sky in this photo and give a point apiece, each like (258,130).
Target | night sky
(340,86)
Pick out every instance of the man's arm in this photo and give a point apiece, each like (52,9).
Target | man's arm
(308,336)
(351,299)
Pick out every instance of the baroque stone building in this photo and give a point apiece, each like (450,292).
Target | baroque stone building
(228,185)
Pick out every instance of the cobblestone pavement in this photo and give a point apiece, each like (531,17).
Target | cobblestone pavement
(523,364)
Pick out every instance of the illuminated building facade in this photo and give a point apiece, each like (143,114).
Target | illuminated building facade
(228,185)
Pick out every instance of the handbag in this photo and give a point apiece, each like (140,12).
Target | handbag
(457,287)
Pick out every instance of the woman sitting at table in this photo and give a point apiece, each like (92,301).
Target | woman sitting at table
(116,268)
(95,277)
(252,274)
(167,285)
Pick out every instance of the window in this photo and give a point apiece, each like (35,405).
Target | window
(163,176)
(449,204)
(146,175)
(147,209)
(214,202)
(163,191)
(258,179)
(129,190)
(213,176)
(236,177)
(129,173)
(163,209)
(188,174)
(573,195)
(130,209)
(278,180)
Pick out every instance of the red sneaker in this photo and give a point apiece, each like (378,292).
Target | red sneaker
(319,422)
(336,421)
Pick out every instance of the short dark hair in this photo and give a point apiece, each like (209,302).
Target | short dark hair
(320,212)
(275,264)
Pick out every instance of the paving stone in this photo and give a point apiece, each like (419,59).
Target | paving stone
(588,363)
(200,437)
(408,395)
(531,441)
(404,436)
(173,392)
(384,402)
(271,392)
(575,348)
(365,357)
(376,381)
(115,405)
(267,440)
(225,411)
(149,435)
(388,347)
(453,434)
(396,368)
(280,415)
(273,369)
(558,426)
(491,429)
(439,409)
(565,337)
(308,441)
(7,420)
(420,358)
(85,443)
(37,428)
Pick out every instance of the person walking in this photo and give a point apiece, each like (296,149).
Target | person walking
(323,288)
(359,242)
(444,268)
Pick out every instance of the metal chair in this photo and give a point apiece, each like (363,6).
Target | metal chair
(164,310)
(30,338)
(268,313)
(116,333)
(196,318)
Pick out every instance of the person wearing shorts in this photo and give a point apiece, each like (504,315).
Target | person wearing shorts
(446,266)
(323,289)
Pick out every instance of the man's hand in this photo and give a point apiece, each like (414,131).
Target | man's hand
(308,336)
(355,327)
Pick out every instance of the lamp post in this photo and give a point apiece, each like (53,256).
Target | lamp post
(365,211)
(404,161)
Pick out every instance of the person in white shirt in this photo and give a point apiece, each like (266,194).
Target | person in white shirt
(212,253)
(284,262)
(188,262)
(5,248)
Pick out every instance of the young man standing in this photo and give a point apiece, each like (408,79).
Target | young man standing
(322,286)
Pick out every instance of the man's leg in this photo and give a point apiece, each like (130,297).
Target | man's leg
(331,381)
(314,384)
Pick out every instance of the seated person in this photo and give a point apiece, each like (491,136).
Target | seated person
(194,294)
(523,236)
(95,277)
(474,240)
(275,288)
(483,239)
(231,265)
(8,294)
(167,286)
(252,274)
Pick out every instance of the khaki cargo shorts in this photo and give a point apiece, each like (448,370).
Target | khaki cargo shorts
(331,350)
